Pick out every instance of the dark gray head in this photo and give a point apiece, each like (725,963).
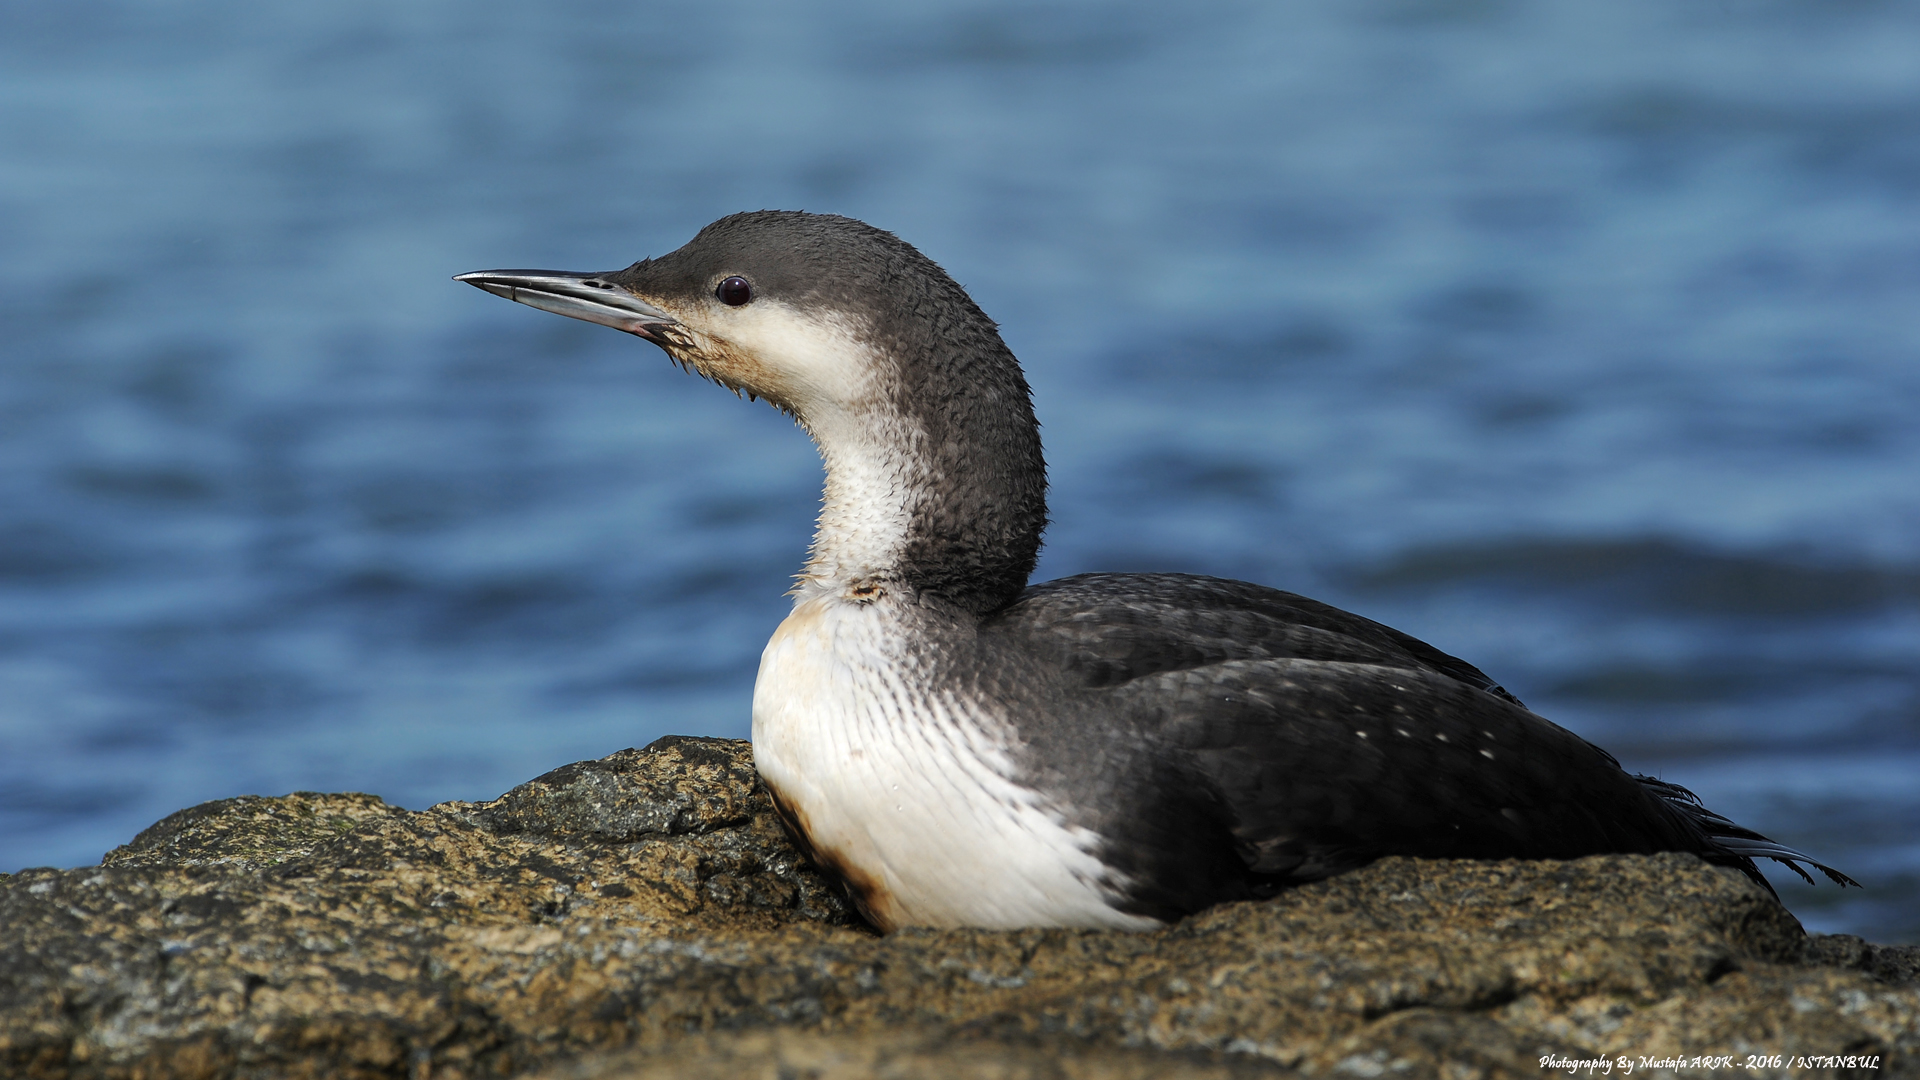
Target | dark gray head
(935,479)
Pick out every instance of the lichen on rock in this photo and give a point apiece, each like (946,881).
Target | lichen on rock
(643,915)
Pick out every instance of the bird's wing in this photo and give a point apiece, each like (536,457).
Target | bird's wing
(1311,741)
(1326,765)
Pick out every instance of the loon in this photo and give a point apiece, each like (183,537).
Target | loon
(960,748)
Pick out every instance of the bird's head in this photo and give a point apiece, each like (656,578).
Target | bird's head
(934,468)
(819,314)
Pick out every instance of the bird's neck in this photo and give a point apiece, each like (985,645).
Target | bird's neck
(937,498)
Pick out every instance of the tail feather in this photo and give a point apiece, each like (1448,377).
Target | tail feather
(1729,844)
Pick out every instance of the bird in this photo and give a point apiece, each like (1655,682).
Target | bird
(957,747)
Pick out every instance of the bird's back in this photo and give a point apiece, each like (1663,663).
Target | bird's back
(1226,739)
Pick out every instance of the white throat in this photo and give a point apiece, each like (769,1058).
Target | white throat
(825,368)
(868,503)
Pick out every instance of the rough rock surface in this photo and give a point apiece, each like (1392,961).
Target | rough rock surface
(642,916)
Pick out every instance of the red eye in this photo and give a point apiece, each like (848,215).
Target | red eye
(734,291)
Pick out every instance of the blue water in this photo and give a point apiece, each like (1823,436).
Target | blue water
(1579,340)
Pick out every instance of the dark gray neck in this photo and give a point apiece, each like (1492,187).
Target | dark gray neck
(936,486)
(974,543)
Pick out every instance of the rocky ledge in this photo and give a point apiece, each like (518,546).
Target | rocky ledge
(643,916)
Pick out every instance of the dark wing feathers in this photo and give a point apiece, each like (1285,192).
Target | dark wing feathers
(1738,840)
(1312,741)
(1123,626)
(1330,765)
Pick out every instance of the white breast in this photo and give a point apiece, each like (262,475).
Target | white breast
(911,788)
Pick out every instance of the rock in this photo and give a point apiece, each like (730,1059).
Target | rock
(643,916)
(903,1054)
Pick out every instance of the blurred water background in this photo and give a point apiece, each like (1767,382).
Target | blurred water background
(1578,339)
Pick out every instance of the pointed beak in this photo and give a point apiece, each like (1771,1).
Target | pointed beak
(578,296)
